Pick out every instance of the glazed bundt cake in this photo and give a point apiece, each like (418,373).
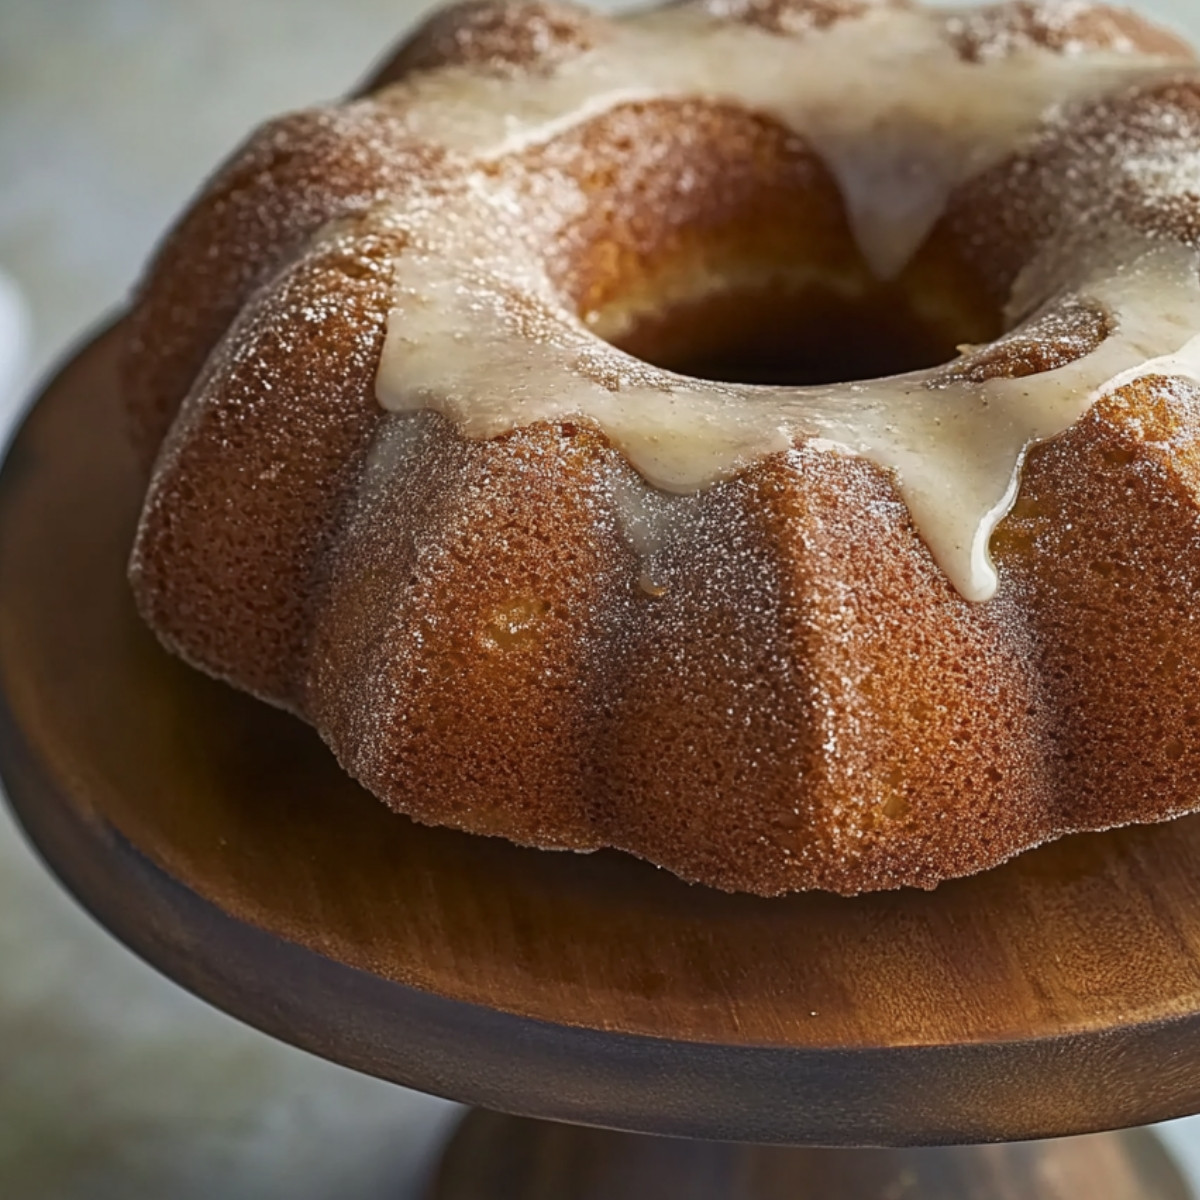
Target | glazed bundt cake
(759,435)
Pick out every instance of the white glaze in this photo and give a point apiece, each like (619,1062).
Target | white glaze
(478,333)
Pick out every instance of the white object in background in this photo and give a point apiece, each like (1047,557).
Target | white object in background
(14,346)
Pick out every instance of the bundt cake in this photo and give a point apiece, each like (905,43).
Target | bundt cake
(759,435)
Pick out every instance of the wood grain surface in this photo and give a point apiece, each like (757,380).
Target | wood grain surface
(1058,994)
(493,1157)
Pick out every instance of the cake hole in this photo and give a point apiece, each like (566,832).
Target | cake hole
(819,334)
(726,253)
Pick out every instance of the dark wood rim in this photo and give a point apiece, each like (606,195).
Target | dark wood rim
(871,1097)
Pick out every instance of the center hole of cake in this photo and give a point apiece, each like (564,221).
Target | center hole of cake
(818,333)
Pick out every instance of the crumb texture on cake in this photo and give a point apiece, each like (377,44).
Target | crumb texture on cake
(765,683)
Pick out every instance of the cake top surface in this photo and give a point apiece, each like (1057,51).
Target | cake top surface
(903,105)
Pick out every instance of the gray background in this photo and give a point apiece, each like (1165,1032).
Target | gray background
(114,1083)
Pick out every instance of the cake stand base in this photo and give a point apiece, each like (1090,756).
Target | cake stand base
(495,1157)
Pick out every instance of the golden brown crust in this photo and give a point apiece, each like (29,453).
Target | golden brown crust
(251,478)
(794,696)
(291,179)
(1102,554)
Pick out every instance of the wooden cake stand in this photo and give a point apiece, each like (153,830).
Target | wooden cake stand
(216,837)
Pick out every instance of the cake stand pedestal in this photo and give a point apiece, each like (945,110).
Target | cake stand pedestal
(1057,995)
(496,1157)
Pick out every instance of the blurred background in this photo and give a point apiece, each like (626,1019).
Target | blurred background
(114,1084)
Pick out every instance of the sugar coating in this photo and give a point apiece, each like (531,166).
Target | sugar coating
(766,685)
